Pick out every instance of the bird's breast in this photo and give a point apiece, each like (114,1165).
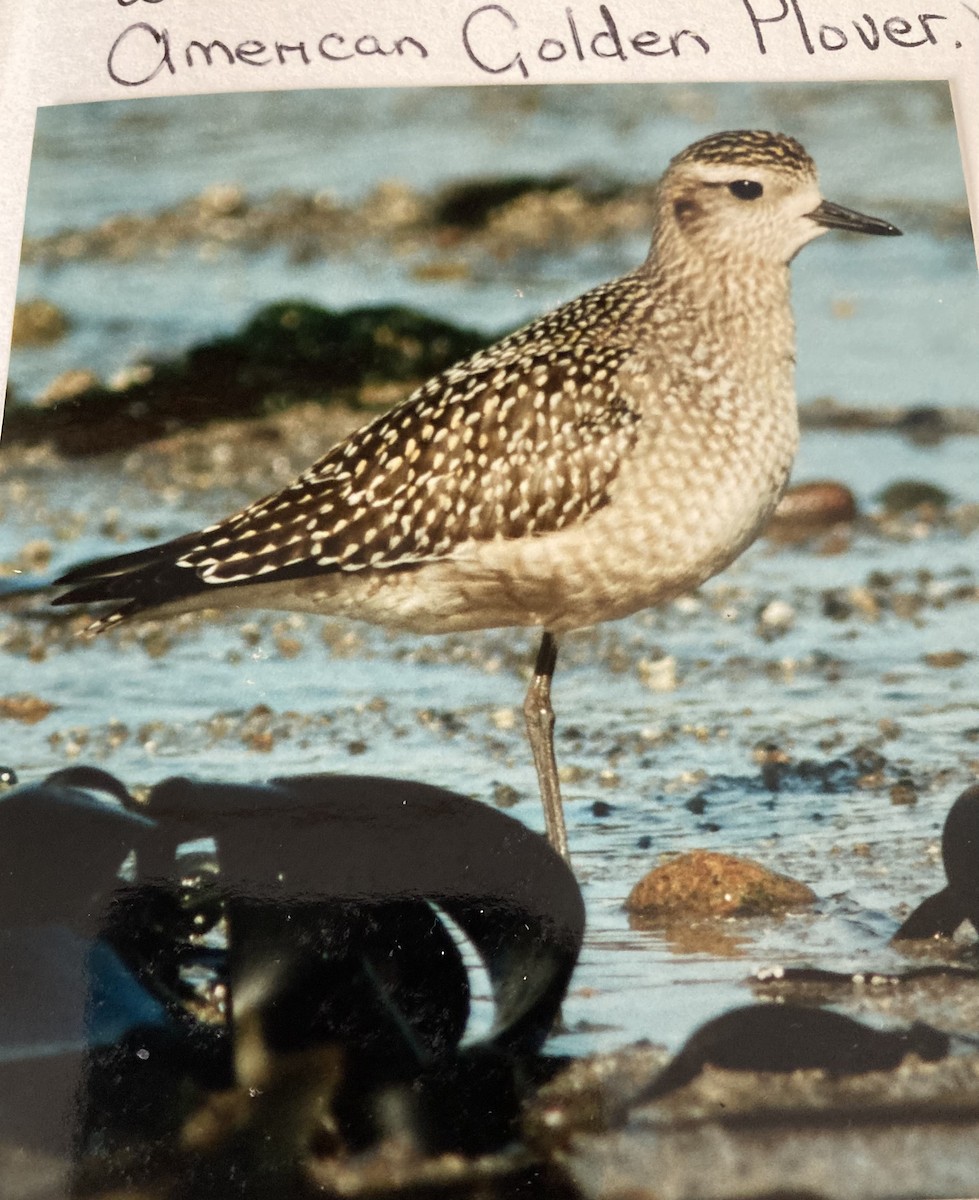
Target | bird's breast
(701,482)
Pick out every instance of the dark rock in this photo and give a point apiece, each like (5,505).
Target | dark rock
(784,1038)
(925,425)
(470,203)
(941,914)
(287,352)
(905,495)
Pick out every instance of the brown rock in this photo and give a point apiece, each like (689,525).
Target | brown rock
(945,660)
(706,883)
(38,323)
(29,709)
(809,509)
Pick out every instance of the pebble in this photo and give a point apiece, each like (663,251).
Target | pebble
(809,509)
(35,555)
(441,271)
(904,793)
(504,719)
(907,495)
(261,740)
(659,675)
(776,618)
(504,795)
(773,761)
(223,200)
(132,375)
(288,647)
(944,660)
(38,323)
(25,708)
(67,386)
(839,604)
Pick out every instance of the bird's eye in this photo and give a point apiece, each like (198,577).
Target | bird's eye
(745,189)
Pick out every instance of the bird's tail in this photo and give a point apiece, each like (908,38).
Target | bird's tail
(143,580)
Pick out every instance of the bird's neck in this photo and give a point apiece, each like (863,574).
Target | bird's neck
(725,279)
(730,295)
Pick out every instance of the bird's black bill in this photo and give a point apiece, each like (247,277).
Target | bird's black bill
(835,216)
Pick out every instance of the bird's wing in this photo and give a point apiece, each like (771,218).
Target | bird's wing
(489,450)
(522,439)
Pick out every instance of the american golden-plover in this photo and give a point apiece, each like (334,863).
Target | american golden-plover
(610,455)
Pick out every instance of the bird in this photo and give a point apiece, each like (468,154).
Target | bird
(611,455)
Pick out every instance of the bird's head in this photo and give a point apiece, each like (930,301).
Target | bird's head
(747,196)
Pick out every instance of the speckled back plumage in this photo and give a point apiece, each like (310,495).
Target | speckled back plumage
(611,453)
(523,439)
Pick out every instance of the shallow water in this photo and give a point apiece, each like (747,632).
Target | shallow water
(884,148)
(676,768)
(882,322)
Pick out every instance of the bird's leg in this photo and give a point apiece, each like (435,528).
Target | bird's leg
(539,716)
